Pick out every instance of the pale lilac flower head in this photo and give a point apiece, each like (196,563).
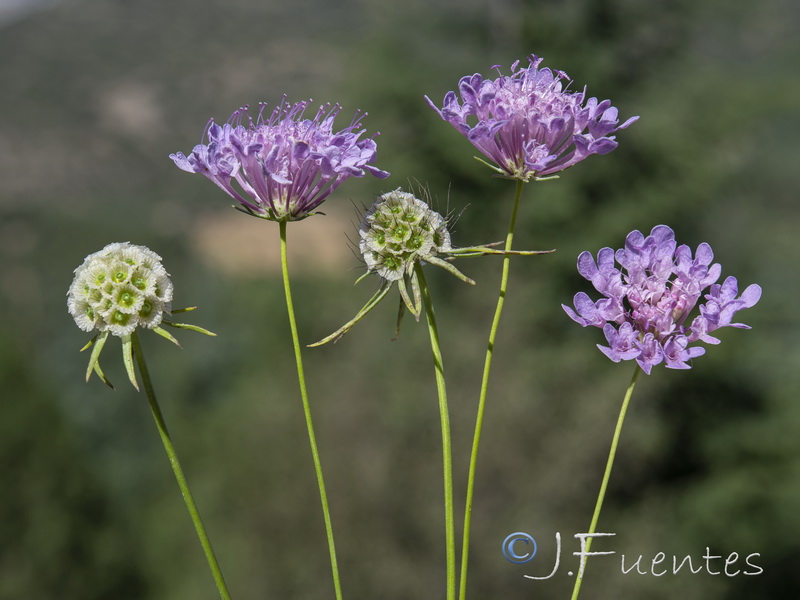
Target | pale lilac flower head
(527,123)
(284,164)
(647,300)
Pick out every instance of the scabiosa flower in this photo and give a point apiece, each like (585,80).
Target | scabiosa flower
(284,165)
(117,290)
(398,230)
(120,288)
(528,123)
(646,308)
(398,234)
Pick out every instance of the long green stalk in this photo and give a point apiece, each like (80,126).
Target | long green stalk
(312,439)
(447,454)
(176,468)
(487,366)
(606,476)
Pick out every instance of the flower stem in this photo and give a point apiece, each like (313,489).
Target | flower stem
(307,411)
(606,476)
(176,468)
(447,455)
(484,388)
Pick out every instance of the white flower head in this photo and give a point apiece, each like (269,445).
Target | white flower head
(119,288)
(398,230)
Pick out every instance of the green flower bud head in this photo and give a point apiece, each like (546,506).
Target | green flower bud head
(118,289)
(398,230)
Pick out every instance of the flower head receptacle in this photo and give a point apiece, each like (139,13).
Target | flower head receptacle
(120,288)
(117,290)
(281,166)
(648,302)
(398,230)
(528,123)
(398,234)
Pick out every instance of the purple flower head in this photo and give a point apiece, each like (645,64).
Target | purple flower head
(647,301)
(527,123)
(284,165)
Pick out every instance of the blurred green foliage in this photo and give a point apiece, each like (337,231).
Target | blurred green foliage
(97,93)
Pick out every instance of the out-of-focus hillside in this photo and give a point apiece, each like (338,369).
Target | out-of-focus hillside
(94,96)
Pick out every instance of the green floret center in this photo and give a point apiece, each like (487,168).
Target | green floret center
(126,299)
(120,276)
(392,262)
(147,308)
(415,243)
(139,282)
(120,318)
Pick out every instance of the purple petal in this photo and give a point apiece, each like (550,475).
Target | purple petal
(182,162)
(586,265)
(751,295)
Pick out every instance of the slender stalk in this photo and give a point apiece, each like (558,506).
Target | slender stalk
(447,454)
(312,439)
(176,468)
(487,366)
(607,475)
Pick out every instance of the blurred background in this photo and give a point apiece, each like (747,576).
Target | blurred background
(96,94)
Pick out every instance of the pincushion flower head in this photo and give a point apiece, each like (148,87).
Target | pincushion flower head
(527,123)
(399,229)
(648,303)
(281,166)
(117,290)
(398,234)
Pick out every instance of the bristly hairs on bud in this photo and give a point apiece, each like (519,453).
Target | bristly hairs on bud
(398,232)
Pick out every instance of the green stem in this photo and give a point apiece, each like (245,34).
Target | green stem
(176,468)
(447,454)
(307,411)
(484,387)
(606,476)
